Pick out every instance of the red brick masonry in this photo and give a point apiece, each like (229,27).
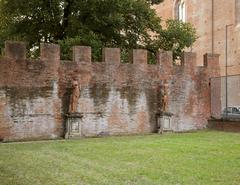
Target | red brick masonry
(116,98)
(224,125)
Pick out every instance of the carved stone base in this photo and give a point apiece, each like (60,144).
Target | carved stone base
(73,125)
(164,122)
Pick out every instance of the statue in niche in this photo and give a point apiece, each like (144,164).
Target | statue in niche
(164,116)
(74,97)
(164,97)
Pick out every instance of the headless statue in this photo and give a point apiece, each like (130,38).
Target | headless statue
(74,97)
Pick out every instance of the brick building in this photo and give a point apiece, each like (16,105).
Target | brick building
(210,18)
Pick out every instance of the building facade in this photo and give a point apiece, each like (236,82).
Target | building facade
(210,18)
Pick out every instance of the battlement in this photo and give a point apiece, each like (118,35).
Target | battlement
(83,54)
(50,67)
(115,97)
(15,50)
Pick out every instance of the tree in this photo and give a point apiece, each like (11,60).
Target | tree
(98,23)
(175,37)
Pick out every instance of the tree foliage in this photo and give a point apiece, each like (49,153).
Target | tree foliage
(175,37)
(98,23)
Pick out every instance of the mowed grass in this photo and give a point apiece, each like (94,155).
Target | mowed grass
(205,157)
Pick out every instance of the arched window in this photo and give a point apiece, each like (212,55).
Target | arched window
(180,10)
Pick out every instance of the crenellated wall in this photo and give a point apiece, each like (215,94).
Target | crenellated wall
(29,102)
(116,98)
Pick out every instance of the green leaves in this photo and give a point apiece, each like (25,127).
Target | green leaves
(176,37)
(155,1)
(87,38)
(107,23)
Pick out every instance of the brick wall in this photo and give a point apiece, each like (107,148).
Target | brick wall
(225,125)
(116,98)
(200,15)
(29,103)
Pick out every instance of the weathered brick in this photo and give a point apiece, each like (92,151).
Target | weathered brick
(82,54)
(111,55)
(140,56)
(15,50)
(114,99)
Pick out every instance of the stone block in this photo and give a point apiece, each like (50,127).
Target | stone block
(49,52)
(111,55)
(140,56)
(15,50)
(82,54)
(165,58)
(211,61)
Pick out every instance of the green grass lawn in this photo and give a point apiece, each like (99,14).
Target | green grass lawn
(193,158)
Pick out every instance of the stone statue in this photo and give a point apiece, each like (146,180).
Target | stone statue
(164,97)
(74,97)
(164,116)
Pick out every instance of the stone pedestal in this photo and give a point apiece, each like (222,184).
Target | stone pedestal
(73,125)
(164,122)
